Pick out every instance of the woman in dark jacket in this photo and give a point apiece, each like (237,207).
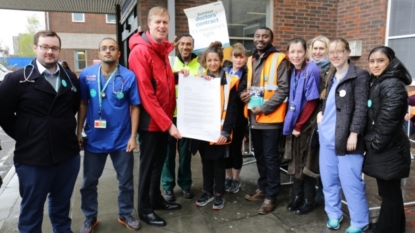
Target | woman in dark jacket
(342,121)
(387,145)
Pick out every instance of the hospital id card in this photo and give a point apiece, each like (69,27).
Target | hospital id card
(100,124)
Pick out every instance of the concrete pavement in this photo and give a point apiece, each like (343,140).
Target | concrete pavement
(238,214)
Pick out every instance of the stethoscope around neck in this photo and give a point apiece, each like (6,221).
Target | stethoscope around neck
(32,68)
(117,74)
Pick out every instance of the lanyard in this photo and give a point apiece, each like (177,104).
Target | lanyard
(296,78)
(102,93)
(56,82)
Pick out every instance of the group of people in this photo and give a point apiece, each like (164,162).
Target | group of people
(337,121)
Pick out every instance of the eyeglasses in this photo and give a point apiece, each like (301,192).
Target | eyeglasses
(340,52)
(46,48)
(105,48)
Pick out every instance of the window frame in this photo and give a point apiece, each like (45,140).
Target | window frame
(109,22)
(389,38)
(77,60)
(268,24)
(78,21)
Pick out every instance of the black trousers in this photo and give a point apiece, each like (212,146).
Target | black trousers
(305,188)
(153,149)
(213,171)
(392,214)
(235,158)
(267,160)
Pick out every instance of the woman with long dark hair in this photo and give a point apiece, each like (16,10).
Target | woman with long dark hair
(387,145)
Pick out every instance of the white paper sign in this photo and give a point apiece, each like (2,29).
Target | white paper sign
(207,23)
(199,108)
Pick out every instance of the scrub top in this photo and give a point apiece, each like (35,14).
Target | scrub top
(120,93)
(303,87)
(327,127)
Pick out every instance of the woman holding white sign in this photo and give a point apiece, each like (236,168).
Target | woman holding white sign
(213,154)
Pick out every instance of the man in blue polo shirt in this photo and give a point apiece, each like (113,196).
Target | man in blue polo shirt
(109,103)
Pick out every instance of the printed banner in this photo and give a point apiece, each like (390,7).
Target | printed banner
(207,23)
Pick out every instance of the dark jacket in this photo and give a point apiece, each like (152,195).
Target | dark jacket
(40,120)
(156,83)
(388,148)
(351,109)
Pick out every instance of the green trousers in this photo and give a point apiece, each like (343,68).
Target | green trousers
(184,176)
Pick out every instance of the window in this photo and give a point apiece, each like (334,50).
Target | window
(244,18)
(110,18)
(80,59)
(400,35)
(78,17)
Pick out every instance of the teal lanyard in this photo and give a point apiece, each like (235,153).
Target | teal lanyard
(56,82)
(100,93)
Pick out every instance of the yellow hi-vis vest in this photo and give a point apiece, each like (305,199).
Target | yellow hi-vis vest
(225,91)
(268,80)
(195,69)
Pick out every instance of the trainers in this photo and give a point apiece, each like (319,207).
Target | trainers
(228,183)
(236,184)
(130,222)
(334,223)
(204,199)
(219,202)
(169,195)
(89,225)
(353,229)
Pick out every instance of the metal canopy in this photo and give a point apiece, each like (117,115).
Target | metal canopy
(75,6)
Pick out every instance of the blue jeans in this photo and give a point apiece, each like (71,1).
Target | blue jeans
(36,183)
(94,164)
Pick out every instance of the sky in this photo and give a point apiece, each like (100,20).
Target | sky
(13,22)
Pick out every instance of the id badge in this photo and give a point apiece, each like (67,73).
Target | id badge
(100,124)
(292,107)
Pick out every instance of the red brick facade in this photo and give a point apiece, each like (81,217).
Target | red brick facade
(350,19)
(93,24)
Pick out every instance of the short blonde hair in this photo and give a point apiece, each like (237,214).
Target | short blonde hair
(320,38)
(157,10)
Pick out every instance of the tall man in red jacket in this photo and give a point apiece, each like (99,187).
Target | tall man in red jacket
(156,83)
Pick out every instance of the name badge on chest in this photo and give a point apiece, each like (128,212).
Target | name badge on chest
(292,107)
(100,124)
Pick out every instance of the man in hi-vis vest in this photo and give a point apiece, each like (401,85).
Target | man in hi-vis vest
(186,59)
(265,92)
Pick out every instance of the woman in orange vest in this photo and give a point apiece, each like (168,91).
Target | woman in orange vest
(213,154)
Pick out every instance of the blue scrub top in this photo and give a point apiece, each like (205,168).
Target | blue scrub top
(327,127)
(115,110)
(303,87)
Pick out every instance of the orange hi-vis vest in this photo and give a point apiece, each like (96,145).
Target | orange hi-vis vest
(268,80)
(225,92)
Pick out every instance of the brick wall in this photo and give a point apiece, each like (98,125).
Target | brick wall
(94,23)
(303,18)
(180,17)
(362,20)
(68,55)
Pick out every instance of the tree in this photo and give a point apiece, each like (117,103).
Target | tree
(25,41)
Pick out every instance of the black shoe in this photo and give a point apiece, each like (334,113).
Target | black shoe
(169,195)
(187,194)
(306,208)
(164,205)
(295,204)
(152,219)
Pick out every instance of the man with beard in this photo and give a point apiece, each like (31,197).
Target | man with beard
(38,105)
(265,91)
(109,103)
(186,59)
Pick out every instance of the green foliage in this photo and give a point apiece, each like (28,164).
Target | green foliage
(25,41)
